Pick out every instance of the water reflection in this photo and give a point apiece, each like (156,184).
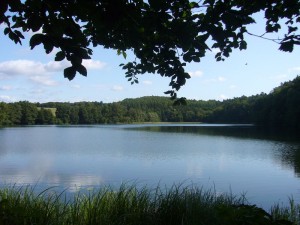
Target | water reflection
(244,158)
(229,130)
(290,157)
(286,150)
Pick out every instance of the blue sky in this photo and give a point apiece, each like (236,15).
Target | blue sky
(33,75)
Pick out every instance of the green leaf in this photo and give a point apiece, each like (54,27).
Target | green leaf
(3,7)
(48,46)
(292,29)
(60,56)
(14,37)
(35,23)
(19,34)
(196,59)
(82,70)
(75,59)
(287,46)
(70,73)
(173,96)
(6,30)
(156,4)
(194,4)
(168,92)
(36,40)
(219,58)
(119,52)
(243,45)
(124,54)
(187,57)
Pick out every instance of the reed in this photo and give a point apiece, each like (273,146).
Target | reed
(291,212)
(130,205)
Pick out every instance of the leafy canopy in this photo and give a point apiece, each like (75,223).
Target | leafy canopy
(163,34)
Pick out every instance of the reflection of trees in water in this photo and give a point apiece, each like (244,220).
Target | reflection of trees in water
(236,131)
(3,142)
(290,157)
(287,142)
(296,160)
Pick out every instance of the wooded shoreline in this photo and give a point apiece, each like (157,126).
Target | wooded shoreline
(280,108)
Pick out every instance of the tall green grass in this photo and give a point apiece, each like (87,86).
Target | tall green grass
(177,205)
(291,212)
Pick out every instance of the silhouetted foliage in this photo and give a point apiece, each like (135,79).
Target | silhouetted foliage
(163,35)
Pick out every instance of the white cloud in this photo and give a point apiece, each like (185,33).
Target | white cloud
(76,86)
(93,64)
(147,82)
(6,88)
(39,72)
(223,97)
(6,98)
(117,88)
(3,76)
(233,86)
(29,67)
(44,80)
(294,69)
(218,79)
(54,66)
(221,79)
(197,73)
(21,67)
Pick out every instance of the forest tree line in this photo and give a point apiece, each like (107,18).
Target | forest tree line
(279,108)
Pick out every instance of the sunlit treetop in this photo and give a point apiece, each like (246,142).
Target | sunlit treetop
(163,35)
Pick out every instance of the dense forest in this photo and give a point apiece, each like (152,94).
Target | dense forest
(280,108)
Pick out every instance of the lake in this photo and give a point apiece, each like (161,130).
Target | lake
(242,159)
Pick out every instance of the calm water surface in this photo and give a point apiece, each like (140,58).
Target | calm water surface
(241,159)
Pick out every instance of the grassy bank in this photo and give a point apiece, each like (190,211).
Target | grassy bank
(129,205)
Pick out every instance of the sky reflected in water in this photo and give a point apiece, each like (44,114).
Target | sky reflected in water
(265,166)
